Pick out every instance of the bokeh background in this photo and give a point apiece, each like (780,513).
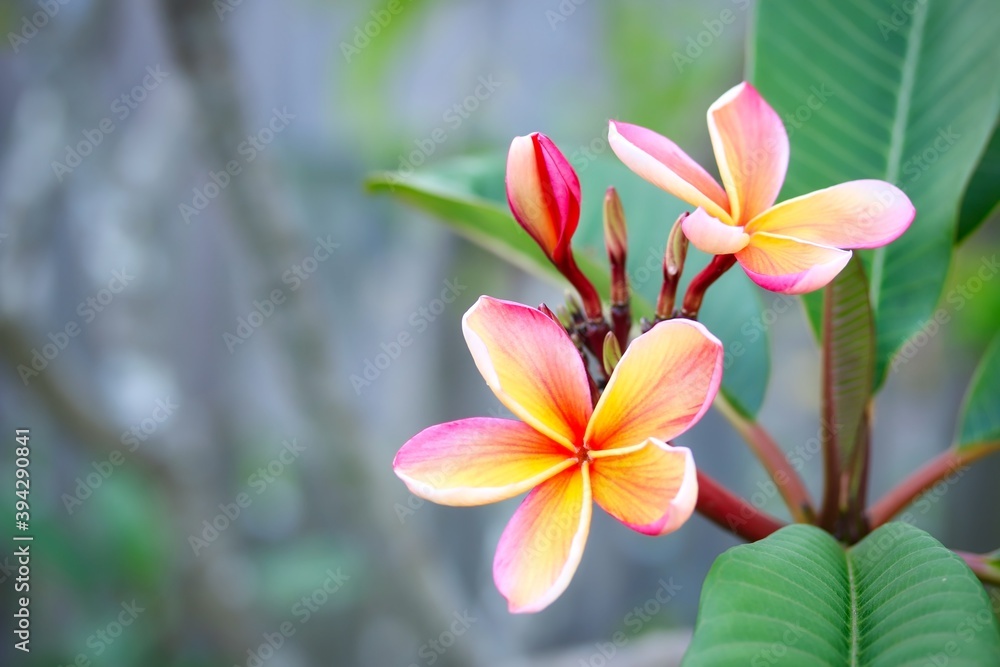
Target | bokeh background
(184,223)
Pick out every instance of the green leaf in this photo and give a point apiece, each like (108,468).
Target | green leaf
(982,197)
(980,422)
(468,194)
(798,598)
(903,92)
(848,366)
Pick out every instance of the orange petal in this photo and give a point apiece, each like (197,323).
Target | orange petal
(713,236)
(541,547)
(652,490)
(751,147)
(532,366)
(664,383)
(790,266)
(478,461)
(857,214)
(662,163)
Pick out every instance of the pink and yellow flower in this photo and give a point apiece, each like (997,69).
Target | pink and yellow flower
(794,247)
(565,450)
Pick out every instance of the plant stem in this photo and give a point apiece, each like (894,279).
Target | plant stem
(729,511)
(983,565)
(701,282)
(932,472)
(768,452)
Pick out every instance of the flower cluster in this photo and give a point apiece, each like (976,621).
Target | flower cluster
(597,408)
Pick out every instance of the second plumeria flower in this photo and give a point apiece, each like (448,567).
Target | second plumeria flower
(793,247)
(568,452)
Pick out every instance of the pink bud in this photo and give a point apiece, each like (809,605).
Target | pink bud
(544,193)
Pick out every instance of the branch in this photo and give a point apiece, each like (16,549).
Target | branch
(790,485)
(702,281)
(932,472)
(729,511)
(986,566)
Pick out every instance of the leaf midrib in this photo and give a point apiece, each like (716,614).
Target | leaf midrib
(897,135)
(853,639)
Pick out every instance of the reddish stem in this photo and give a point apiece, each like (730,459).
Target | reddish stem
(983,565)
(932,472)
(701,282)
(729,511)
(588,293)
(771,456)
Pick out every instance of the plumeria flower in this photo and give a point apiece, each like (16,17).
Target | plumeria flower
(794,247)
(565,450)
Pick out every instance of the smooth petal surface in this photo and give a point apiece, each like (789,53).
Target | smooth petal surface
(662,163)
(790,266)
(543,192)
(532,366)
(541,547)
(857,214)
(664,383)
(652,490)
(478,461)
(751,147)
(713,236)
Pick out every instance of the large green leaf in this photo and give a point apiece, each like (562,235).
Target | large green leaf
(847,368)
(798,598)
(982,197)
(980,422)
(468,194)
(903,92)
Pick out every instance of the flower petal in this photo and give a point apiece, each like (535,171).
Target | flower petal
(751,147)
(652,490)
(790,266)
(857,214)
(543,192)
(541,547)
(713,236)
(664,383)
(662,163)
(532,366)
(478,461)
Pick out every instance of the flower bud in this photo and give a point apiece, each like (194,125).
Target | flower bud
(544,194)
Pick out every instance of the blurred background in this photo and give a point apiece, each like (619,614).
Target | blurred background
(195,290)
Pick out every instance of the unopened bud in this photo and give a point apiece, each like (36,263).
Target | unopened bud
(612,353)
(673,266)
